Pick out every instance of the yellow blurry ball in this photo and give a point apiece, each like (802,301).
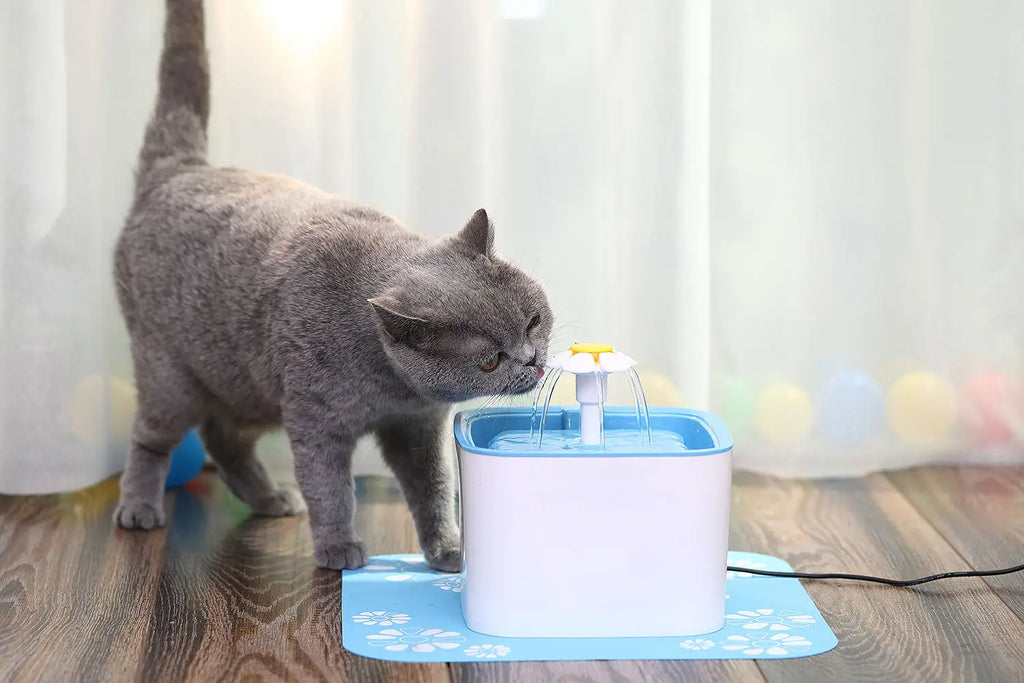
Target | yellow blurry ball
(85,411)
(783,413)
(659,390)
(922,408)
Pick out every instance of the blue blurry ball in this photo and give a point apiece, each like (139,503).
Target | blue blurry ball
(852,408)
(186,460)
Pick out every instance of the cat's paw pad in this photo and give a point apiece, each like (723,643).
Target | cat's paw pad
(350,555)
(280,503)
(447,560)
(139,515)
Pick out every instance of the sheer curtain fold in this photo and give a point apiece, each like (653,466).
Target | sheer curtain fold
(750,198)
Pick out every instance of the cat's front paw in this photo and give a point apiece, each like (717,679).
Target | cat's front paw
(280,503)
(446,560)
(133,514)
(349,555)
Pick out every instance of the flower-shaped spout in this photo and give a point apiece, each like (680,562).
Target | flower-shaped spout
(583,359)
(591,363)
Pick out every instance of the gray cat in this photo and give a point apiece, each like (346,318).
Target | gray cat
(254,300)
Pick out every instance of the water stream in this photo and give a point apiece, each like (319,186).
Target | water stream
(546,389)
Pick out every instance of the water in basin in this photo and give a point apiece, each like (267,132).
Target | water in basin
(615,440)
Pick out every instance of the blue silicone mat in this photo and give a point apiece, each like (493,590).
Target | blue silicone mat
(398,608)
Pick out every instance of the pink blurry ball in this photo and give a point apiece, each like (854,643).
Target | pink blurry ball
(993,407)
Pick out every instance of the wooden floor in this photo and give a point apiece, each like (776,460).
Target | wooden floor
(221,595)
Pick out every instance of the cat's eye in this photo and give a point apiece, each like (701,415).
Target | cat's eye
(534,321)
(491,365)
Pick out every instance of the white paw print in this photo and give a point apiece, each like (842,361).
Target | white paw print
(769,619)
(777,645)
(697,644)
(416,639)
(486,651)
(404,569)
(455,584)
(381,618)
(743,562)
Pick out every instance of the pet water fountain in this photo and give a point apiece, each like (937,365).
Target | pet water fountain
(593,521)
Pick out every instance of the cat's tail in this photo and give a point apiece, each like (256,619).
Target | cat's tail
(176,134)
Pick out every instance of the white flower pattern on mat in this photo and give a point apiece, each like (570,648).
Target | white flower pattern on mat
(400,570)
(381,618)
(416,639)
(697,644)
(778,645)
(486,651)
(451,583)
(743,562)
(769,619)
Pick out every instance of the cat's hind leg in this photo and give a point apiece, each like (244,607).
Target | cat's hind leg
(233,449)
(169,405)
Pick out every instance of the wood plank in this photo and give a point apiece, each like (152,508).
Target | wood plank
(608,672)
(240,597)
(74,595)
(220,595)
(944,631)
(980,512)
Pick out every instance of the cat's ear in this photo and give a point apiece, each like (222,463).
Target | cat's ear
(477,238)
(399,325)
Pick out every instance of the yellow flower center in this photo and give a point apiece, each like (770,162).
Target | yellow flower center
(594,350)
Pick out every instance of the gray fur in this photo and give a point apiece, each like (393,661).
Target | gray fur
(254,301)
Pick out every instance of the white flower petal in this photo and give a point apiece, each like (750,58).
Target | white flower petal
(631,363)
(393,632)
(559,360)
(423,647)
(755,625)
(431,631)
(778,627)
(613,362)
(397,647)
(446,646)
(776,651)
(580,363)
(765,612)
(753,651)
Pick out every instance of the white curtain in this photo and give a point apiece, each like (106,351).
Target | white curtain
(753,199)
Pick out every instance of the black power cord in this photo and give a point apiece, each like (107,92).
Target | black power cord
(879,579)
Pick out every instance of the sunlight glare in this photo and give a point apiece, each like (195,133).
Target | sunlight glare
(303,23)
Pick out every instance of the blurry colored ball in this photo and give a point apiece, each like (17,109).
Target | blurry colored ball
(100,410)
(852,408)
(922,408)
(993,407)
(186,460)
(783,414)
(659,390)
(733,401)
